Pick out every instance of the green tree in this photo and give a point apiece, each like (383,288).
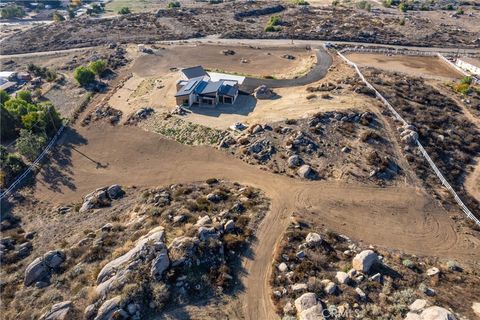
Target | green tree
(403,7)
(124,10)
(98,66)
(466,80)
(83,75)
(25,96)
(4,97)
(9,12)
(30,145)
(8,124)
(10,167)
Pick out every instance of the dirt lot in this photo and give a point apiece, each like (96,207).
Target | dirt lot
(413,65)
(257,61)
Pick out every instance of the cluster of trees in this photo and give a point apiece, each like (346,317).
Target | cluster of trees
(31,124)
(42,72)
(86,75)
(14,11)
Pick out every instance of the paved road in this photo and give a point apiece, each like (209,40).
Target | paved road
(265,42)
(324,61)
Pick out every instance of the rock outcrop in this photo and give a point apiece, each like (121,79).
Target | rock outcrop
(59,311)
(40,269)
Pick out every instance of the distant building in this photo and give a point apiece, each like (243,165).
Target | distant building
(197,87)
(468,64)
(8,75)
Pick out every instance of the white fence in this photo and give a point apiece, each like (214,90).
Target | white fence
(420,147)
(12,187)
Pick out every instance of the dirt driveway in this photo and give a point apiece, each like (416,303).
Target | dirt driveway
(398,217)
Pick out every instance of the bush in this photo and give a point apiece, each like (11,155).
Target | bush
(463,88)
(173,4)
(12,12)
(408,263)
(83,75)
(11,166)
(300,2)
(30,145)
(25,96)
(387,3)
(273,24)
(466,80)
(124,10)
(98,66)
(403,7)
(364,5)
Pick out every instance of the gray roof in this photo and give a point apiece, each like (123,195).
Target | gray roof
(194,72)
(190,86)
(211,87)
(228,90)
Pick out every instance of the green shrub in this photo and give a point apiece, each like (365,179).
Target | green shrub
(364,5)
(463,88)
(452,265)
(83,75)
(466,80)
(408,263)
(98,66)
(124,10)
(25,96)
(387,3)
(57,17)
(173,4)
(30,145)
(9,12)
(300,2)
(11,166)
(403,7)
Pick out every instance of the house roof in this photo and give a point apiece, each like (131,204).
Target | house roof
(228,90)
(194,72)
(191,85)
(211,87)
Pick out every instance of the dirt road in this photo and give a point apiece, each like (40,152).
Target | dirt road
(399,217)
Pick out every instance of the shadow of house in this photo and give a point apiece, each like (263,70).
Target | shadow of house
(244,105)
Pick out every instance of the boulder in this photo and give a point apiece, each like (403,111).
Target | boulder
(433,271)
(115,191)
(476,308)
(412,316)
(306,172)
(330,288)
(342,277)
(294,161)
(313,313)
(305,301)
(86,205)
(418,305)
(299,287)
(361,295)
(313,239)
(282,267)
(229,226)
(160,264)
(205,233)
(36,271)
(108,308)
(53,259)
(59,311)
(365,260)
(436,313)
(263,92)
(202,221)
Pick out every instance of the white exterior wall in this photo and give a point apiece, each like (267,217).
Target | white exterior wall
(468,67)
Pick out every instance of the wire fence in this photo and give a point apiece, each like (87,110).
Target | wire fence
(15,184)
(444,181)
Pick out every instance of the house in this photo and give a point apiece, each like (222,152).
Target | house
(8,75)
(468,64)
(197,87)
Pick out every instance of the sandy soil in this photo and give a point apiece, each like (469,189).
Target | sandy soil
(472,183)
(431,67)
(265,61)
(400,217)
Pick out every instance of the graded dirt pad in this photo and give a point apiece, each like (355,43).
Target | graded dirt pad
(257,61)
(412,65)
(396,217)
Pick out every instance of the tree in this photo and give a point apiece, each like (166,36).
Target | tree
(4,97)
(9,12)
(98,66)
(124,10)
(83,75)
(30,145)
(403,7)
(57,17)
(8,124)
(25,96)
(11,166)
